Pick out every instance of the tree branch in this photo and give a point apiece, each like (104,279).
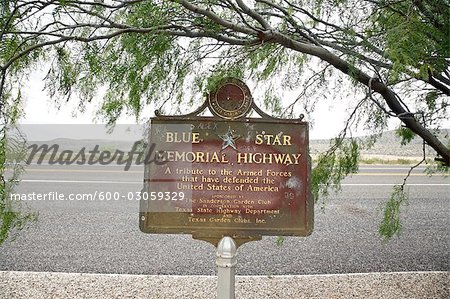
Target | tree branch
(437,84)
(247,10)
(388,95)
(215,18)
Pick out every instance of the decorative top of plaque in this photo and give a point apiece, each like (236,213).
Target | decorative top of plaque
(231,99)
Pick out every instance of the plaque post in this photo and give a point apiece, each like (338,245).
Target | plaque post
(226,263)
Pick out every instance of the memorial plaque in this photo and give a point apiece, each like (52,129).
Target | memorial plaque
(214,176)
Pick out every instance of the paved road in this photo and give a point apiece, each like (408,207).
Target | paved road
(103,237)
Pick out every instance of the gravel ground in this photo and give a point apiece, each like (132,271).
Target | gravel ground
(410,285)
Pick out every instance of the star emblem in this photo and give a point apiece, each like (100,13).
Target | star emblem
(229,139)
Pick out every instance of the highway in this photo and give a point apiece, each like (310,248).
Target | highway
(104,237)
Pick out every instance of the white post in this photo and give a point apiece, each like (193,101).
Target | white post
(226,262)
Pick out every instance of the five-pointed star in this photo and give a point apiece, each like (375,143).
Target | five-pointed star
(228,139)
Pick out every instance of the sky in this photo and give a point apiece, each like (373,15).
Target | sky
(40,109)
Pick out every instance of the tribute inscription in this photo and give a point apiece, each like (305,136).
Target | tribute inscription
(241,178)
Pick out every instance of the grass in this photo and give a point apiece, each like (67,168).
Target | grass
(370,161)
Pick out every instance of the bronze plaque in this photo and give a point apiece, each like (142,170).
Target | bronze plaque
(231,100)
(214,177)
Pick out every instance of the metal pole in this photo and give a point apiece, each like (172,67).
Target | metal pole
(226,262)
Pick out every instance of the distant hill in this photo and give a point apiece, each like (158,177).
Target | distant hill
(387,145)
(77,144)
(74,137)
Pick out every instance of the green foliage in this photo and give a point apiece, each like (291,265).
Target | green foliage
(416,34)
(405,134)
(376,120)
(272,102)
(333,166)
(214,79)
(64,73)
(391,224)
(430,100)
(437,167)
(208,24)
(266,60)
(280,240)
(13,216)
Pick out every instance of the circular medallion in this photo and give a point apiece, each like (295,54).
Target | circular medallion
(231,100)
